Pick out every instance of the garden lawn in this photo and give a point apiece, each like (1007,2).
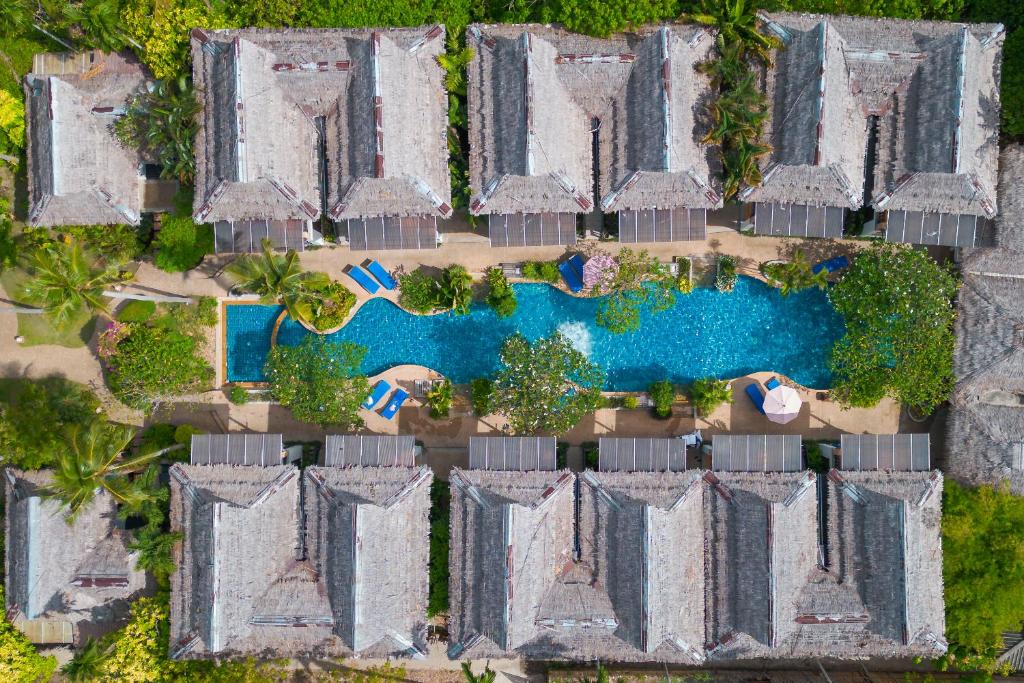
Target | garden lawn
(36,329)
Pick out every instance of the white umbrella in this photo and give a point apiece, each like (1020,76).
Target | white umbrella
(782,404)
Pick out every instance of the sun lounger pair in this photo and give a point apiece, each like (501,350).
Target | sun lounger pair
(572,273)
(831,265)
(379,391)
(756,397)
(368,283)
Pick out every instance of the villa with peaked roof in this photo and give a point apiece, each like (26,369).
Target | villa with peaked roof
(300,124)
(60,576)
(340,552)
(559,122)
(985,431)
(78,172)
(692,566)
(898,116)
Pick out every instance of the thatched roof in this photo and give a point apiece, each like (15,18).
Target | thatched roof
(535,92)
(374,99)
(934,88)
(78,172)
(55,570)
(368,537)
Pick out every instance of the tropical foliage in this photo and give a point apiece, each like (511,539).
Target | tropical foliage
(637,281)
(94,458)
(416,291)
(12,127)
(481,392)
(181,243)
(162,123)
(725,280)
(440,398)
(34,416)
(117,243)
(795,274)
(449,291)
(546,386)
(663,395)
(486,676)
(897,304)
(500,295)
(708,393)
(19,661)
(440,513)
(65,280)
(545,271)
(983,571)
(319,381)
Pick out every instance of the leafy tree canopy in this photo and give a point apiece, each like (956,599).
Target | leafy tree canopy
(19,661)
(320,381)
(897,304)
(546,386)
(34,414)
(66,279)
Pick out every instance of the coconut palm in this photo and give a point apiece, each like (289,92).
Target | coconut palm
(797,274)
(454,289)
(86,666)
(742,167)
(737,24)
(92,459)
(15,17)
(99,22)
(66,279)
(278,278)
(163,124)
(486,677)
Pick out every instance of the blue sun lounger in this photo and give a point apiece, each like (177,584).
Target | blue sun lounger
(832,265)
(397,399)
(379,391)
(756,397)
(572,273)
(364,280)
(382,275)
(772,383)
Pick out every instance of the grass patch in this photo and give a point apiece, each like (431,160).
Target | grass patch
(37,329)
(136,311)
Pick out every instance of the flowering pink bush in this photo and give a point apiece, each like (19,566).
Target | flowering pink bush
(599,271)
(110,338)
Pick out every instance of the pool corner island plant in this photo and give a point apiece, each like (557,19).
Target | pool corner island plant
(898,306)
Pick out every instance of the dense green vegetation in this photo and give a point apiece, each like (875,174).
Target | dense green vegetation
(983,572)
(708,393)
(65,280)
(19,661)
(898,306)
(545,271)
(181,243)
(440,512)
(319,381)
(451,290)
(663,395)
(440,399)
(500,295)
(546,386)
(794,275)
(632,282)
(481,392)
(34,415)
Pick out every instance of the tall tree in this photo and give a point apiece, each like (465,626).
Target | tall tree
(87,664)
(277,278)
(736,21)
(163,124)
(94,458)
(66,279)
(545,387)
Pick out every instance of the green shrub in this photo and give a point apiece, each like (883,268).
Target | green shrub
(561,455)
(136,311)
(630,402)
(726,278)
(815,459)
(684,280)
(545,271)
(663,395)
(118,244)
(327,306)
(8,247)
(417,292)
(440,399)
(481,392)
(156,437)
(153,364)
(181,244)
(183,434)
(19,660)
(500,295)
(452,291)
(619,312)
(238,395)
(440,512)
(34,415)
(708,393)
(591,454)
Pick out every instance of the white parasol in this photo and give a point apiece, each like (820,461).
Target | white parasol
(782,404)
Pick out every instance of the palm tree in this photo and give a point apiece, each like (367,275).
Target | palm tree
(742,166)
(798,274)
(601,675)
(15,17)
(99,22)
(163,123)
(736,21)
(278,278)
(486,677)
(92,459)
(454,289)
(65,279)
(86,666)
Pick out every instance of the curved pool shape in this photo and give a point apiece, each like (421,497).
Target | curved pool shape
(706,334)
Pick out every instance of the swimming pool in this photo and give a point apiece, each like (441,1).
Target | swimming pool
(706,334)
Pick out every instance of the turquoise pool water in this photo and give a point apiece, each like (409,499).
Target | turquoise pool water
(705,334)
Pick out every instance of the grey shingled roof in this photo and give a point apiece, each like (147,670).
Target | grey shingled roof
(78,172)
(376,96)
(985,430)
(934,87)
(54,570)
(534,91)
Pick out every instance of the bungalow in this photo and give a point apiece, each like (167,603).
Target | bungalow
(689,566)
(562,124)
(304,124)
(268,547)
(985,436)
(900,117)
(78,172)
(64,582)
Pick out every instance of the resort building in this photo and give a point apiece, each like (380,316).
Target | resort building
(985,437)
(78,171)
(898,117)
(300,125)
(562,124)
(338,550)
(648,561)
(64,582)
